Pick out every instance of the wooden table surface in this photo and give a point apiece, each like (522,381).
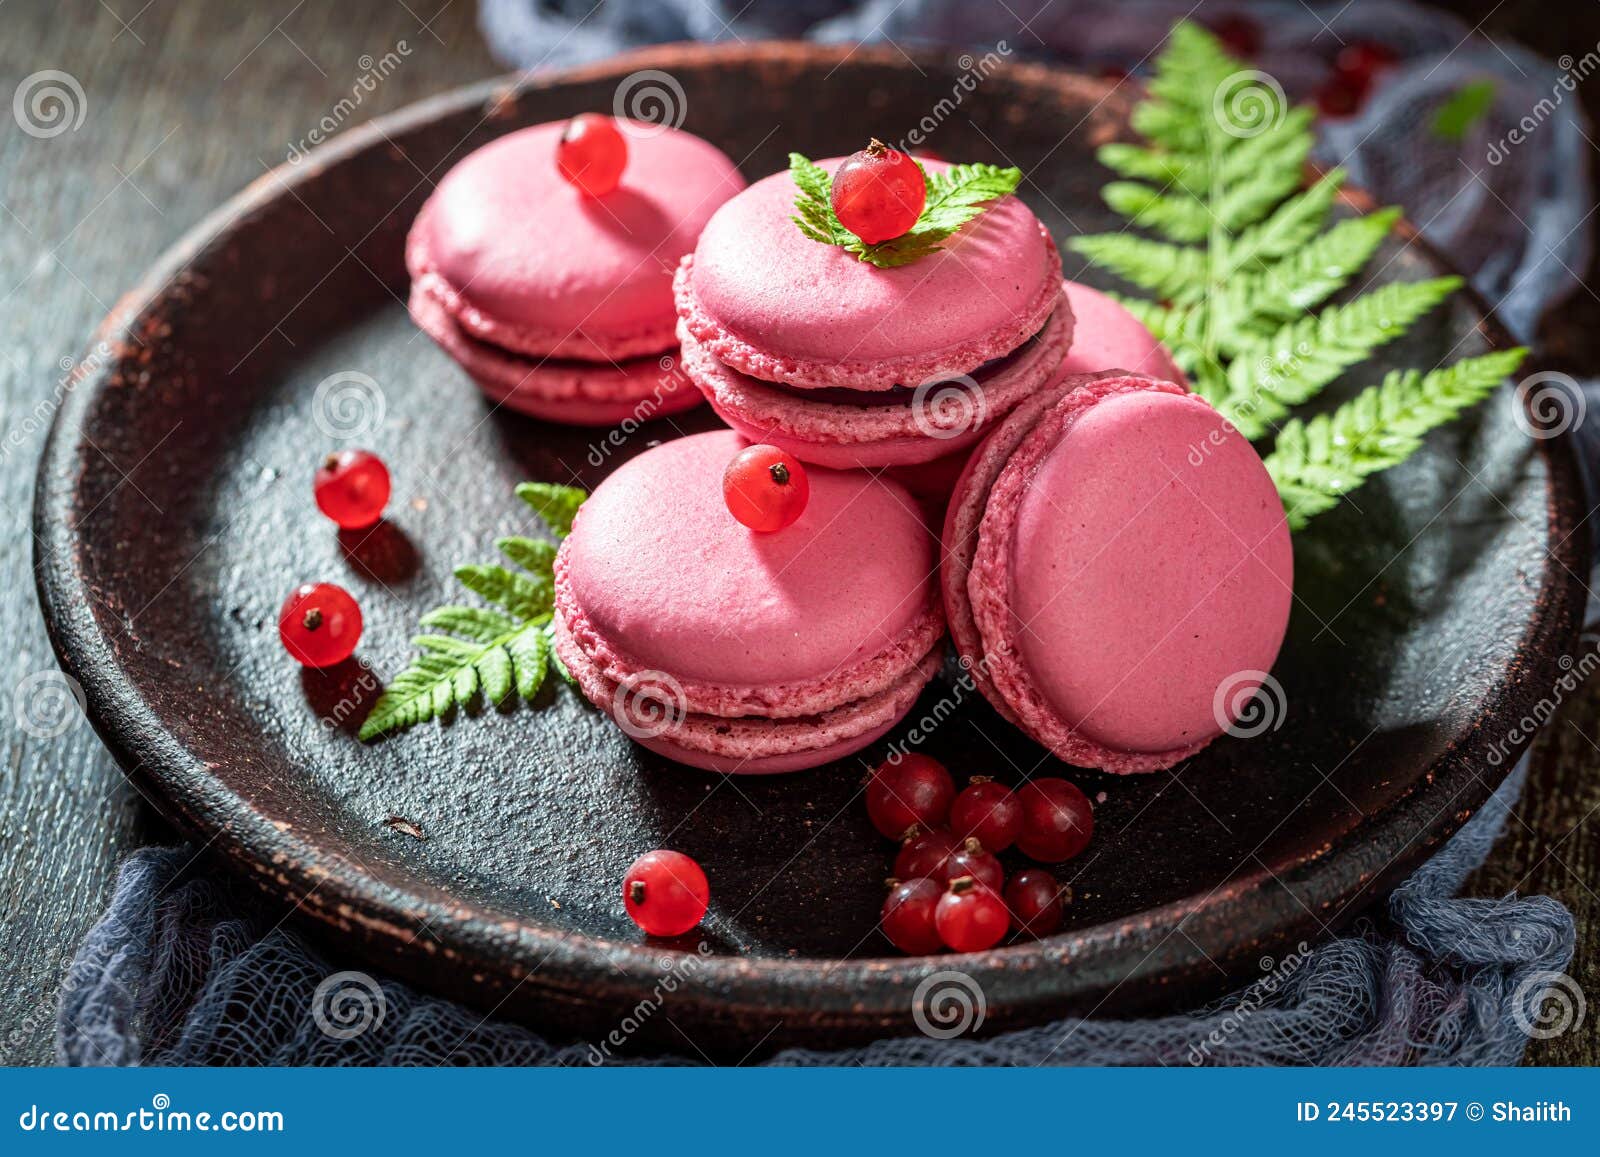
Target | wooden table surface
(185,103)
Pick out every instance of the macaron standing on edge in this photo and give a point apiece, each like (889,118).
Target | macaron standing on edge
(739,651)
(803,345)
(1118,573)
(557,302)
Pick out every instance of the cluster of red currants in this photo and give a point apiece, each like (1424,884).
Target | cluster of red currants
(949,890)
(320,623)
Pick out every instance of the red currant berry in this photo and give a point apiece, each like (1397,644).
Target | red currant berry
(765,488)
(971,860)
(924,853)
(1239,34)
(352,488)
(906,790)
(1035,900)
(989,812)
(592,154)
(1341,96)
(970,917)
(665,893)
(878,193)
(320,624)
(1057,820)
(908,917)
(1361,60)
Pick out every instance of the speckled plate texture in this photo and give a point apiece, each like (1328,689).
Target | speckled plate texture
(174,512)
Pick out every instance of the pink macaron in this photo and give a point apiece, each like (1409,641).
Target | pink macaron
(1118,573)
(802,345)
(558,303)
(1106,336)
(742,652)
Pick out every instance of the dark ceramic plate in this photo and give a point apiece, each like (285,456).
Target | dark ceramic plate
(174,512)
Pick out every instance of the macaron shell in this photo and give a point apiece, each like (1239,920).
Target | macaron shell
(964,516)
(776,305)
(752,745)
(666,575)
(557,389)
(945,417)
(1106,336)
(528,262)
(1133,571)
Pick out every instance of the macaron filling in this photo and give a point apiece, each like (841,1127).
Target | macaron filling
(560,389)
(748,350)
(903,654)
(555,301)
(745,741)
(940,417)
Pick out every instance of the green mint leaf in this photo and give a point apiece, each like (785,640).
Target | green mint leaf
(555,504)
(1316,463)
(1465,108)
(954,197)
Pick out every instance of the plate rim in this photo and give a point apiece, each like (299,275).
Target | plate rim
(874,990)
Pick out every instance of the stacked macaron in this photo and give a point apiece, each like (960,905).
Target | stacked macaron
(738,651)
(1106,336)
(543,264)
(805,345)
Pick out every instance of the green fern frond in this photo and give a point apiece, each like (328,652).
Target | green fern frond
(1242,259)
(1316,463)
(1174,272)
(1294,364)
(489,651)
(1304,279)
(1290,226)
